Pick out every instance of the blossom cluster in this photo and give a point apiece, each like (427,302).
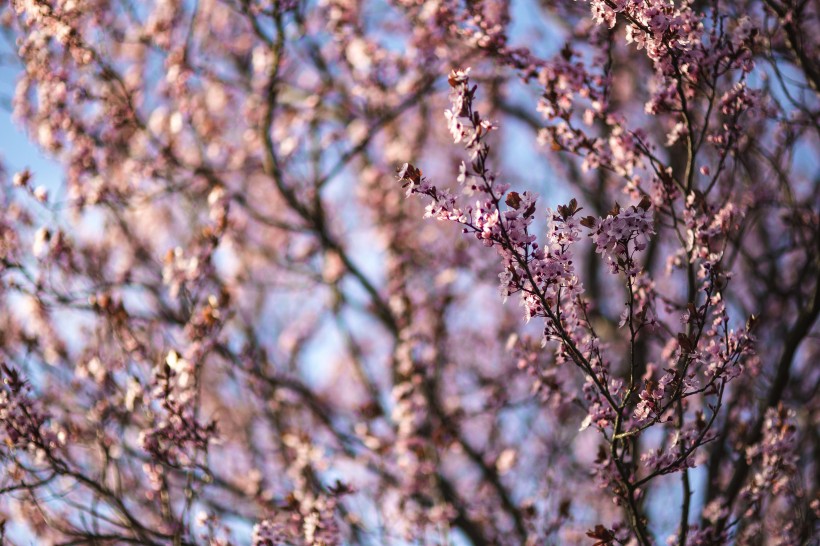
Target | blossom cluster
(24,423)
(177,430)
(774,453)
(308,517)
(621,234)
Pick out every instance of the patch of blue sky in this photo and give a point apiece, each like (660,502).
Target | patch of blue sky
(533,27)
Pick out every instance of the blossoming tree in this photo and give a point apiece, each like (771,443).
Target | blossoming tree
(225,323)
